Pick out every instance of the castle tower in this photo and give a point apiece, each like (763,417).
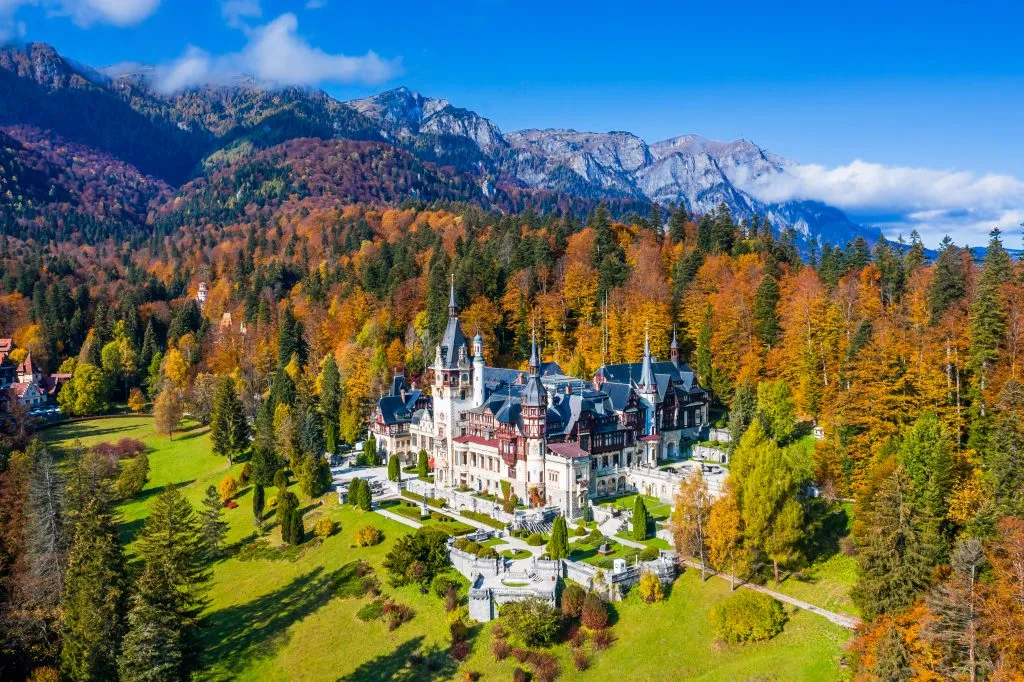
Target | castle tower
(647,391)
(478,370)
(452,391)
(201,295)
(535,412)
(673,349)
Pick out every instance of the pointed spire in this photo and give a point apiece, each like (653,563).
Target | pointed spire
(453,309)
(673,349)
(675,344)
(534,359)
(647,370)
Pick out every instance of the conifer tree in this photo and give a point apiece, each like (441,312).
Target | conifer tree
(677,224)
(766,301)
(742,412)
(926,452)
(772,515)
(95,598)
(330,401)
(558,543)
(214,527)
(287,506)
(1003,459)
(155,645)
(229,430)
(894,555)
(639,519)
(173,546)
(298,531)
(394,468)
(958,614)
(894,659)
(705,368)
(265,462)
(725,535)
(258,504)
(988,318)
(423,464)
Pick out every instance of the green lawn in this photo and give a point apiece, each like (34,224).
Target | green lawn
(656,509)
(280,619)
(411,510)
(673,641)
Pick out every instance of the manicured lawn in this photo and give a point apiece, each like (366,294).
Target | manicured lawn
(280,618)
(673,641)
(516,554)
(411,510)
(656,509)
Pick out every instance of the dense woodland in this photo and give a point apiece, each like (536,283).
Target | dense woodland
(911,367)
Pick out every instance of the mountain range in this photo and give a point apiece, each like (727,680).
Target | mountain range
(119,115)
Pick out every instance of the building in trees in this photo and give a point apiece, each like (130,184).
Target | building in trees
(554,440)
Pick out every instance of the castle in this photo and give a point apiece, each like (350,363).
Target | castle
(557,440)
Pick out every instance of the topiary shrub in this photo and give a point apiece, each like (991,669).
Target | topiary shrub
(245,474)
(472,547)
(747,616)
(594,614)
(579,531)
(227,489)
(572,600)
(649,554)
(531,622)
(535,540)
(487,553)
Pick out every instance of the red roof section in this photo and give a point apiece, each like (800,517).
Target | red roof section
(476,440)
(567,450)
(27,366)
(6,345)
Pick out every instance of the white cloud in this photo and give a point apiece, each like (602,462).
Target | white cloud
(935,202)
(85,13)
(236,11)
(276,54)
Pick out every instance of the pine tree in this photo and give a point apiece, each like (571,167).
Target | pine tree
(958,614)
(1003,459)
(154,648)
(172,544)
(926,452)
(677,224)
(258,504)
(330,401)
(558,543)
(287,506)
(639,519)
(45,533)
(705,367)
(214,527)
(149,348)
(265,462)
(95,598)
(894,659)
(423,464)
(894,555)
(298,531)
(229,430)
(773,517)
(766,301)
(988,318)
(742,413)
(394,468)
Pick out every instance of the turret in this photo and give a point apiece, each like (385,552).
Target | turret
(647,381)
(535,398)
(673,349)
(478,370)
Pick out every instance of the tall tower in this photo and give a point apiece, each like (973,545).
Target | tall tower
(452,391)
(535,414)
(647,391)
(673,349)
(478,370)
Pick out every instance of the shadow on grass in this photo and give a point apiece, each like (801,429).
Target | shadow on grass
(409,662)
(189,432)
(236,635)
(70,432)
(128,530)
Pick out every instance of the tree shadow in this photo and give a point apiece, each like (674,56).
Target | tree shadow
(127,531)
(258,628)
(831,526)
(189,432)
(409,662)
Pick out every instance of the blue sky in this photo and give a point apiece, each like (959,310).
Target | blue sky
(903,87)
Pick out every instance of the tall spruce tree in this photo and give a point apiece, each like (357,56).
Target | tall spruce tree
(1003,459)
(214,527)
(229,430)
(766,301)
(173,547)
(926,452)
(988,318)
(330,401)
(948,282)
(155,648)
(95,598)
(258,504)
(894,556)
(958,615)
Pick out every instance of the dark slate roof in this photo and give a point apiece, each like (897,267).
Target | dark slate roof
(451,342)
(394,410)
(629,373)
(618,393)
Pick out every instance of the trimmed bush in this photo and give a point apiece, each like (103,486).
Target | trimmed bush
(649,554)
(531,622)
(535,540)
(747,616)
(472,547)
(580,531)
(227,489)
(487,553)
(245,474)
(371,610)
(500,648)
(602,640)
